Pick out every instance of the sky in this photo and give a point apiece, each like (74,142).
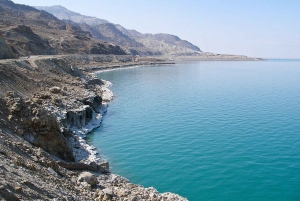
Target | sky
(256,28)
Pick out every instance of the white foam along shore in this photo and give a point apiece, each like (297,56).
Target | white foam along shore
(84,152)
(88,153)
(107,96)
(116,68)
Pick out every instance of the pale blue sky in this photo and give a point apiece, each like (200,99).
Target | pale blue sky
(260,28)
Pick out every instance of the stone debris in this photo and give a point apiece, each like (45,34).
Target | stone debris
(119,188)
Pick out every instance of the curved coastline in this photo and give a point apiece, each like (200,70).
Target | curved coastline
(50,124)
(53,102)
(153,194)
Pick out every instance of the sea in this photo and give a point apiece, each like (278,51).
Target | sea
(206,130)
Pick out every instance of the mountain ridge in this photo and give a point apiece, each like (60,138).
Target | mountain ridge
(134,41)
(64,14)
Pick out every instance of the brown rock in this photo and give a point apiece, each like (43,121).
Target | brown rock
(18,188)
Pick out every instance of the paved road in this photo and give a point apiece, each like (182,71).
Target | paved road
(31,58)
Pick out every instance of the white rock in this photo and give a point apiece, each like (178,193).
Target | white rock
(52,171)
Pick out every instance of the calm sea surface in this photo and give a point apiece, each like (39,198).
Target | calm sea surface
(206,130)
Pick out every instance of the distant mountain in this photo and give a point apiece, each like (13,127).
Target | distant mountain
(25,30)
(133,41)
(108,32)
(64,14)
(165,43)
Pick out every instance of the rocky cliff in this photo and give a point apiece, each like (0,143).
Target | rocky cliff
(43,107)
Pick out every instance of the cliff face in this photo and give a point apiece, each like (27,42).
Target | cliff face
(42,104)
(38,126)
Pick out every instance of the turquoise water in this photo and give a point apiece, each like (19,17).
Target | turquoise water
(206,130)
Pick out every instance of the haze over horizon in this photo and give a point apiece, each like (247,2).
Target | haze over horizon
(268,29)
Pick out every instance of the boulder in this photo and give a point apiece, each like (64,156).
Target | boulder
(55,90)
(87,177)
(103,167)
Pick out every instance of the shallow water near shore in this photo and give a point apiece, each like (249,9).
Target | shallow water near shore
(206,130)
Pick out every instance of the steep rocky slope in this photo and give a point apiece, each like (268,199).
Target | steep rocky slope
(111,34)
(28,31)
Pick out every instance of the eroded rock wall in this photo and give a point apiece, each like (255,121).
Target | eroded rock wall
(50,103)
(38,126)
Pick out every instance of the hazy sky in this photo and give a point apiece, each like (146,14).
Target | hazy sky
(261,28)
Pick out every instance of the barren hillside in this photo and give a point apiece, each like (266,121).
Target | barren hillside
(27,31)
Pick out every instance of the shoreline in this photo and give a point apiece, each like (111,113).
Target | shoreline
(106,69)
(82,133)
(94,156)
(68,104)
(53,103)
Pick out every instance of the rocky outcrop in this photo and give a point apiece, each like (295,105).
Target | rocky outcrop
(38,126)
(119,188)
(5,50)
(25,42)
(58,116)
